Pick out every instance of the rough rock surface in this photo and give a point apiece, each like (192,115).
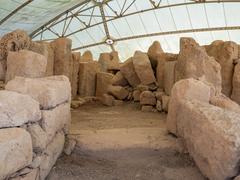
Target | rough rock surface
(107,100)
(74,73)
(32,175)
(211,135)
(87,78)
(103,81)
(169,76)
(15,150)
(165,102)
(128,71)
(147,108)
(224,53)
(53,151)
(48,91)
(86,57)
(236,84)
(143,68)
(118,92)
(161,59)
(55,119)
(194,62)
(184,90)
(25,63)
(136,95)
(153,52)
(107,61)
(147,98)
(119,80)
(17,109)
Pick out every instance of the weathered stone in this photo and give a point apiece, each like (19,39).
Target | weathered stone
(15,150)
(55,119)
(107,100)
(211,135)
(108,61)
(32,175)
(118,92)
(39,137)
(184,90)
(165,102)
(17,109)
(37,159)
(69,146)
(25,63)
(3,68)
(53,151)
(119,80)
(237,178)
(142,88)
(159,94)
(128,71)
(143,68)
(168,76)
(87,78)
(161,59)
(224,53)
(86,57)
(49,91)
(153,52)
(117,102)
(146,108)
(103,81)
(74,73)
(136,95)
(147,98)
(236,84)
(194,62)
(159,106)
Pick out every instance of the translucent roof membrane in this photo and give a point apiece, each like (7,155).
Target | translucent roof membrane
(130,24)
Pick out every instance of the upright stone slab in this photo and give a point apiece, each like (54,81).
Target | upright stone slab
(169,76)
(153,52)
(143,68)
(224,53)
(103,81)
(108,61)
(87,78)
(25,63)
(17,109)
(15,149)
(236,84)
(49,91)
(211,135)
(86,57)
(194,62)
(62,57)
(3,69)
(74,75)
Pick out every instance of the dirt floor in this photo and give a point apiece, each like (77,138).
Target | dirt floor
(122,143)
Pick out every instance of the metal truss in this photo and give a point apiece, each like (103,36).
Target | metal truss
(88,10)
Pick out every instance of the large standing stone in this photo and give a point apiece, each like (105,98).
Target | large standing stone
(53,151)
(236,84)
(119,80)
(224,53)
(128,71)
(86,57)
(103,81)
(211,135)
(55,119)
(87,78)
(184,90)
(143,68)
(194,62)
(75,72)
(49,91)
(3,68)
(15,150)
(109,61)
(17,109)
(153,52)
(169,77)
(118,92)
(25,63)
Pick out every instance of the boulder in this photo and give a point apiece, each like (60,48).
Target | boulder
(74,73)
(211,135)
(17,109)
(119,80)
(103,81)
(49,91)
(153,52)
(184,90)
(165,102)
(3,69)
(147,108)
(118,92)
(55,120)
(128,71)
(194,62)
(15,149)
(108,62)
(136,95)
(236,84)
(147,98)
(86,57)
(224,53)
(117,102)
(53,151)
(159,106)
(107,100)
(25,63)
(87,78)
(168,76)
(32,175)
(160,70)
(143,68)
(69,146)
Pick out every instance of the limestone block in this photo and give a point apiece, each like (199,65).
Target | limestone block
(185,89)
(211,135)
(147,98)
(147,108)
(117,102)
(25,63)
(143,68)
(17,109)
(49,91)
(107,61)
(128,71)
(103,81)
(119,80)
(53,151)
(3,67)
(15,150)
(32,175)
(153,52)
(165,102)
(107,100)
(75,72)
(86,57)
(136,95)
(236,84)
(118,92)
(159,106)
(169,77)
(87,78)
(55,119)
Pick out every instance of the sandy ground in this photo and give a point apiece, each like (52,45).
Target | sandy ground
(122,143)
